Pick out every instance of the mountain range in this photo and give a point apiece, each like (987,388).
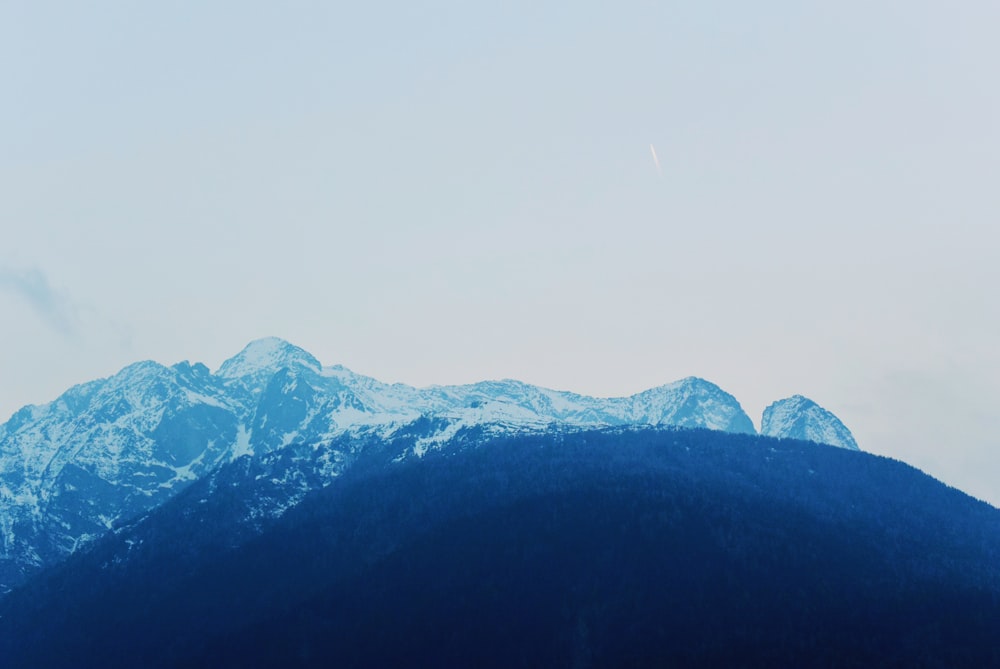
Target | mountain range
(280,513)
(112,449)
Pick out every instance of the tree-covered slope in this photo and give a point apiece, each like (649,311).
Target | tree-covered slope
(573,548)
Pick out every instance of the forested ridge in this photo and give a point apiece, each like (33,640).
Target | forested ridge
(641,547)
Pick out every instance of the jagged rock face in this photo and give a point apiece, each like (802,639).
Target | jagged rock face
(112,449)
(691,402)
(798,417)
(105,450)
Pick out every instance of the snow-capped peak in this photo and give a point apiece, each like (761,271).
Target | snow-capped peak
(691,402)
(267,354)
(798,417)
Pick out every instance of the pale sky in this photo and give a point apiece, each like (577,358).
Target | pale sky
(457,191)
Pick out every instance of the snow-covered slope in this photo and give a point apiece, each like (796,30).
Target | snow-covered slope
(104,450)
(114,448)
(798,417)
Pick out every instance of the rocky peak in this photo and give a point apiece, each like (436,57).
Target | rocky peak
(798,417)
(267,356)
(691,402)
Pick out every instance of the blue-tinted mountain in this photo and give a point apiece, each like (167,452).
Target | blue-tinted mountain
(568,546)
(798,417)
(115,448)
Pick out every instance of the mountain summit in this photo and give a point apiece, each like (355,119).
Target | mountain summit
(266,355)
(798,417)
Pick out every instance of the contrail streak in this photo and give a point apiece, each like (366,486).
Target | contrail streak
(656,160)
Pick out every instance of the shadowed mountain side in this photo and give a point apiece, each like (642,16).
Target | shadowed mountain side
(588,548)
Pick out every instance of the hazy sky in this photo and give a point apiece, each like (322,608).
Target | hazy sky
(444,192)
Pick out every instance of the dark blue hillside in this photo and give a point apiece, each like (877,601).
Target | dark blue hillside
(597,548)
